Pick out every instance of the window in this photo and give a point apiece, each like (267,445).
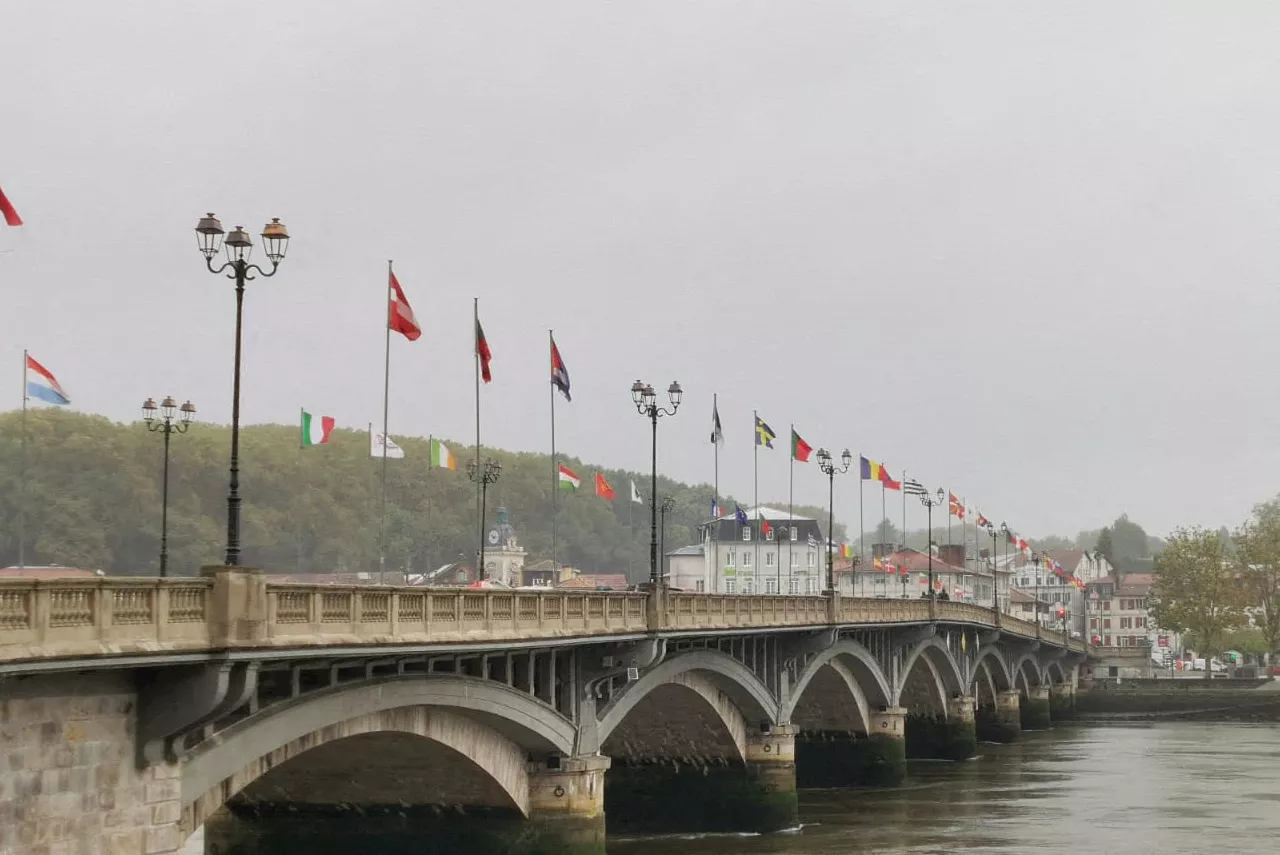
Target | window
(730,586)
(795,533)
(795,560)
(813,559)
(793,586)
(1140,622)
(746,533)
(1126,623)
(1106,605)
(700,586)
(746,559)
(811,586)
(771,586)
(748,587)
(729,559)
(768,559)
(768,535)
(1106,623)
(1093,623)
(1106,640)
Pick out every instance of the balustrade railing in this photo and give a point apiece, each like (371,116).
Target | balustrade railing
(52,618)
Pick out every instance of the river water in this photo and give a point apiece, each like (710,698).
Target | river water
(1171,789)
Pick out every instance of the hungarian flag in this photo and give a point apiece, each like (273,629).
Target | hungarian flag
(559,375)
(568,480)
(603,488)
(486,356)
(800,450)
(315,429)
(400,314)
(10,213)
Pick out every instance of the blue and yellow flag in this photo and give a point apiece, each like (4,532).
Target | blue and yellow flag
(764,434)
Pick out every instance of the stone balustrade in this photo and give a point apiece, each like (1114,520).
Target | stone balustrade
(62,618)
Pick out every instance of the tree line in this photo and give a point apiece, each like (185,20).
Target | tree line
(92,496)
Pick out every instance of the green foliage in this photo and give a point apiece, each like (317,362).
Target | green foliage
(1196,590)
(93,501)
(1257,551)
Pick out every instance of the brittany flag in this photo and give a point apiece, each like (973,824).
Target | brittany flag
(42,385)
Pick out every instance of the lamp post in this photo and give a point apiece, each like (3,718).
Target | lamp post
(665,508)
(646,402)
(995,600)
(930,502)
(1004,530)
(166,426)
(1037,561)
(829,468)
(275,241)
(486,474)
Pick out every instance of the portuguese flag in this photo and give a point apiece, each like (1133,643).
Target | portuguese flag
(315,429)
(800,450)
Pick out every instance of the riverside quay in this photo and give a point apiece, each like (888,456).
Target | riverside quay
(135,711)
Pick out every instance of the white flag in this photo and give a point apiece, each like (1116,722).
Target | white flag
(394,452)
(635,494)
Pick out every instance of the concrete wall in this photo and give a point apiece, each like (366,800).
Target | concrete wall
(68,780)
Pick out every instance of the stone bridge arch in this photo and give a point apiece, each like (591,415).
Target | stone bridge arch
(474,726)
(941,674)
(846,667)
(1027,672)
(1054,671)
(698,703)
(991,672)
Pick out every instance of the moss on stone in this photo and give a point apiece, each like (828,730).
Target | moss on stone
(841,759)
(1034,714)
(936,737)
(1062,707)
(669,796)
(990,728)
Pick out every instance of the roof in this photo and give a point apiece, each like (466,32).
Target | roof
(685,550)
(1135,585)
(51,572)
(592,581)
(1068,558)
(1019,596)
(769,513)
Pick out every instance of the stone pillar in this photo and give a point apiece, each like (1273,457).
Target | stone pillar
(238,609)
(962,733)
(566,805)
(937,736)
(667,795)
(1035,709)
(1062,702)
(884,759)
(1004,722)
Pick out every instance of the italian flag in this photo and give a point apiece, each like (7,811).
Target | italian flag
(315,429)
(569,481)
(441,456)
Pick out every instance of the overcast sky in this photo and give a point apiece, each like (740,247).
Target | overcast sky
(1028,251)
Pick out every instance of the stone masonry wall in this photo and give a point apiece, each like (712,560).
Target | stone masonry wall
(68,780)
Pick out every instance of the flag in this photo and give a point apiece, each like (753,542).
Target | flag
(10,213)
(315,430)
(559,374)
(983,522)
(877,563)
(717,434)
(764,434)
(441,456)
(603,488)
(43,386)
(873,471)
(715,508)
(400,314)
(394,452)
(800,450)
(740,515)
(846,551)
(635,494)
(765,528)
(568,481)
(813,542)
(955,506)
(912,487)
(483,352)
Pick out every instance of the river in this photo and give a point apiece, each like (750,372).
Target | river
(1171,789)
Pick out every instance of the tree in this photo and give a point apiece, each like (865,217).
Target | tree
(1106,545)
(1257,544)
(1197,591)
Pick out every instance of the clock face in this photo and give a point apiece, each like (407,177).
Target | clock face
(493,536)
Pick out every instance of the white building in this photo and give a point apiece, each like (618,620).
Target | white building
(782,554)
(1039,580)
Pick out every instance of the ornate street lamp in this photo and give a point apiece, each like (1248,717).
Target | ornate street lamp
(995,588)
(930,502)
(829,468)
(486,474)
(239,246)
(166,425)
(665,508)
(646,402)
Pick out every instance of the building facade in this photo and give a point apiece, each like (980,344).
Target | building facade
(772,553)
(1119,614)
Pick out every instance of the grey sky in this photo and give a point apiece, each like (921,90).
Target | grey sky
(1028,251)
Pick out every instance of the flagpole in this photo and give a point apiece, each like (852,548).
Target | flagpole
(386,404)
(551,343)
(430,560)
(22,475)
(948,518)
(862,525)
(712,588)
(755,480)
(791,506)
(904,509)
(475,333)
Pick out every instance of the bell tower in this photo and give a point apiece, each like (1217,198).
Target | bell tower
(504,556)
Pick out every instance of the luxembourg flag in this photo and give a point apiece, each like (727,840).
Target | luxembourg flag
(42,385)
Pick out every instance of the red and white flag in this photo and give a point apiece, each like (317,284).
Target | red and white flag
(400,314)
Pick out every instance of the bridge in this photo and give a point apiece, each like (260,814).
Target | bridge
(134,711)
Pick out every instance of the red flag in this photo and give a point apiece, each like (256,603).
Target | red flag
(482,351)
(956,506)
(603,488)
(400,314)
(765,528)
(10,213)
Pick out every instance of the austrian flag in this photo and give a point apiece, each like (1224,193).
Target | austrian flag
(400,314)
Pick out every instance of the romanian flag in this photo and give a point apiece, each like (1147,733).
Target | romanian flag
(873,471)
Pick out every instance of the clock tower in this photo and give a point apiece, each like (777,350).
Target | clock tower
(504,556)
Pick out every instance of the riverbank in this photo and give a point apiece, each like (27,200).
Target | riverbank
(1181,700)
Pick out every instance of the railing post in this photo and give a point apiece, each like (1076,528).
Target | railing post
(833,606)
(654,606)
(238,609)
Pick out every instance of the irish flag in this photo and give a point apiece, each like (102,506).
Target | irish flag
(569,481)
(315,429)
(441,456)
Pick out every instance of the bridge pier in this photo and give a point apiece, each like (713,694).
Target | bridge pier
(827,758)
(1034,709)
(1062,702)
(566,806)
(1003,722)
(939,737)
